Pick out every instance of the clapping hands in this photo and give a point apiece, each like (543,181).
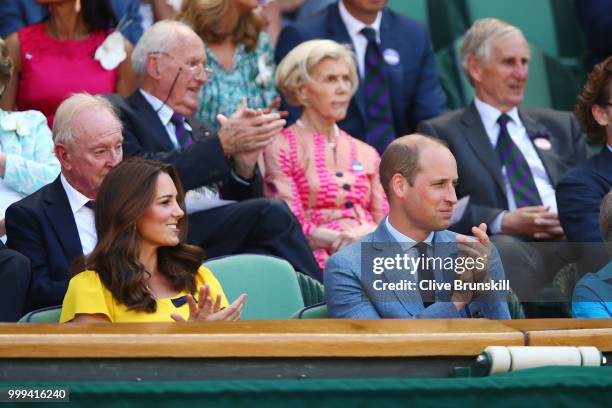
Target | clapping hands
(205,310)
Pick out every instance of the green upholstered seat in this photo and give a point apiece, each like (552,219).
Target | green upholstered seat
(45,315)
(270,283)
(312,290)
(318,311)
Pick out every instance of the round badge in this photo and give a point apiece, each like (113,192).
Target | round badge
(356,166)
(542,144)
(391,56)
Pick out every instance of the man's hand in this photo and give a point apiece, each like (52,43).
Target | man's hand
(536,222)
(248,130)
(476,254)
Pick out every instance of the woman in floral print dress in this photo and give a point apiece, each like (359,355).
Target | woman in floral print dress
(238,51)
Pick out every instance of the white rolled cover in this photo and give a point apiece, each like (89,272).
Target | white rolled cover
(515,358)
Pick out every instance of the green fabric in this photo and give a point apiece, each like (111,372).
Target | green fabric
(270,284)
(416,9)
(46,315)
(313,312)
(514,306)
(312,290)
(534,18)
(546,387)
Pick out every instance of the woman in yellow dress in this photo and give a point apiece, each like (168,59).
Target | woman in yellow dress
(140,269)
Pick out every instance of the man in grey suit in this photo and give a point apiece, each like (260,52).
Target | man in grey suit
(509,159)
(374,277)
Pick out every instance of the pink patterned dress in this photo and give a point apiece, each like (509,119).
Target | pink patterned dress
(338,190)
(52,70)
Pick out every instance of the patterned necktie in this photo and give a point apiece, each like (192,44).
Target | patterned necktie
(427,296)
(380,131)
(183,136)
(517,170)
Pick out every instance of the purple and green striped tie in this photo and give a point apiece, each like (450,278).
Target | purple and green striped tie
(380,131)
(517,170)
(183,136)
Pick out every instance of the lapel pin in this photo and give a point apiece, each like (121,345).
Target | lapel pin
(391,56)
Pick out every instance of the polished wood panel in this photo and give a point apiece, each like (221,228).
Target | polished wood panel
(600,338)
(526,325)
(281,338)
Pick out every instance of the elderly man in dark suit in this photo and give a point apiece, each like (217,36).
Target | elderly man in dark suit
(510,159)
(55,225)
(398,81)
(214,167)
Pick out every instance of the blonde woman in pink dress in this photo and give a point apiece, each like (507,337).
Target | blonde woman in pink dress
(328,178)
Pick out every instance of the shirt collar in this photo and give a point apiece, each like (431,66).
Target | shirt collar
(165,113)
(401,238)
(610,147)
(354,26)
(489,114)
(75,198)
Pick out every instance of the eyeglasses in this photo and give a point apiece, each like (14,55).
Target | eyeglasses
(196,68)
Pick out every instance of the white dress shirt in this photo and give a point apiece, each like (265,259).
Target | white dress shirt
(83,216)
(518,134)
(405,239)
(197,198)
(354,27)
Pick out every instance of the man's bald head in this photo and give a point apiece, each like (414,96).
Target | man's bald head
(402,156)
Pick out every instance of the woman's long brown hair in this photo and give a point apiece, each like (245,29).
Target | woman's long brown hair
(125,196)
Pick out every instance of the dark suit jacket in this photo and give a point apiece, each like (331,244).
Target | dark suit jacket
(201,164)
(480,174)
(42,227)
(415,92)
(579,196)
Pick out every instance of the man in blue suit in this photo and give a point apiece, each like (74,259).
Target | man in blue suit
(15,14)
(581,190)
(405,46)
(418,174)
(55,225)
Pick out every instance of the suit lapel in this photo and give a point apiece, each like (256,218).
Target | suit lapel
(148,117)
(389,41)
(476,136)
(549,158)
(59,214)
(389,247)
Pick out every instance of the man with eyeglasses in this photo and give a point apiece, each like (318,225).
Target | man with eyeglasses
(218,168)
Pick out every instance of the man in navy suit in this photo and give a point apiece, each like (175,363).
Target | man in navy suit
(55,225)
(581,190)
(409,63)
(510,159)
(14,281)
(418,174)
(170,61)
(15,14)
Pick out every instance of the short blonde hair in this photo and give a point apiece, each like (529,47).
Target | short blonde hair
(479,37)
(296,68)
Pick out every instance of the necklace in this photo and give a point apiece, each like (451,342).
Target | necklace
(335,131)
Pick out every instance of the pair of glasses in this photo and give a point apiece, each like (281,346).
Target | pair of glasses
(196,68)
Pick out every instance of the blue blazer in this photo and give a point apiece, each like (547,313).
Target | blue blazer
(351,294)
(416,94)
(15,14)
(579,194)
(593,295)
(42,227)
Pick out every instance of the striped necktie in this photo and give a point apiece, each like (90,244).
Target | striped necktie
(183,137)
(380,131)
(517,170)
(425,273)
